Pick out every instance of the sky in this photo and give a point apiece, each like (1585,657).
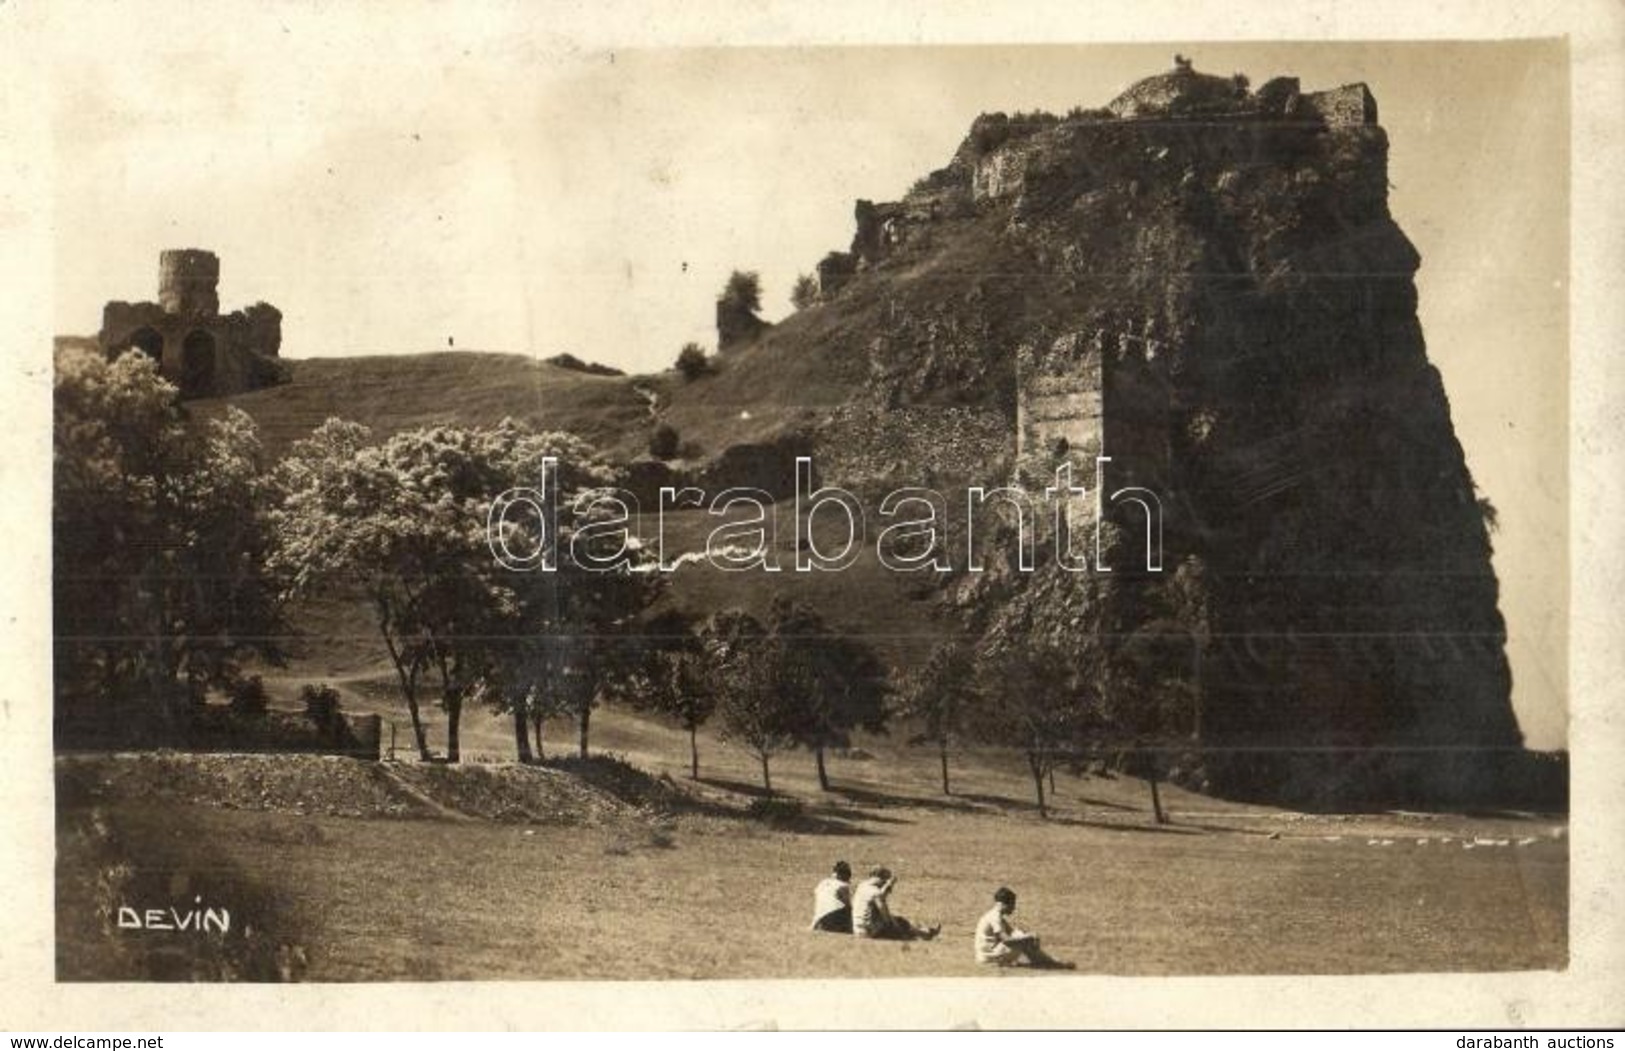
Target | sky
(394,184)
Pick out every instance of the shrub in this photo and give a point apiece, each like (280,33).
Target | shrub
(805,292)
(248,696)
(743,292)
(692,362)
(663,441)
(321,705)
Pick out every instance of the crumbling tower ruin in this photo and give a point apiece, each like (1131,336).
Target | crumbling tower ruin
(201,351)
(188,281)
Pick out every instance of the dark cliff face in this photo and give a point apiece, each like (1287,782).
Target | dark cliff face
(1251,305)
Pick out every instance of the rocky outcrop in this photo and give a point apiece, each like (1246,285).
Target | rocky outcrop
(1225,307)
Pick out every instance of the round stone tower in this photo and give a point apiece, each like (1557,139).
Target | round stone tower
(188,280)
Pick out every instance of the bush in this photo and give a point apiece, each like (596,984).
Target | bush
(248,696)
(663,443)
(805,292)
(321,705)
(692,362)
(743,292)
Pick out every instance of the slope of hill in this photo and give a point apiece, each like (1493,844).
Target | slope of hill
(396,392)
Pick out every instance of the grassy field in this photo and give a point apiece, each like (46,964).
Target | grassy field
(710,892)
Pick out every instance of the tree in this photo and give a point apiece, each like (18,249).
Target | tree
(677,679)
(159,546)
(405,522)
(942,697)
(835,682)
(692,362)
(1147,700)
(516,688)
(743,292)
(747,664)
(1036,697)
(578,625)
(805,292)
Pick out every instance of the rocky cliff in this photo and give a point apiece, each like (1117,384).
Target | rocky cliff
(1204,283)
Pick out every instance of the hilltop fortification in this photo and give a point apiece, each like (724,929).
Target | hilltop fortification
(1203,282)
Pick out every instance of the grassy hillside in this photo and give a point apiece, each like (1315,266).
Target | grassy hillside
(752,394)
(397,392)
(815,362)
(784,382)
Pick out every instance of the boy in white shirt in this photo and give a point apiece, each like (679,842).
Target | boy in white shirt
(1000,942)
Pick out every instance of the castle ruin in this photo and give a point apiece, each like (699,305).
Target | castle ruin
(202,351)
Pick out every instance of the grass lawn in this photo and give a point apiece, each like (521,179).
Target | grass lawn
(1225,889)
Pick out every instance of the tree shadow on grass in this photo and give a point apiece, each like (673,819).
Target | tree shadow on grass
(870,797)
(743,788)
(999,802)
(823,825)
(837,812)
(786,813)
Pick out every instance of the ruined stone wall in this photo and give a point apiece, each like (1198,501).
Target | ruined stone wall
(1059,392)
(1348,106)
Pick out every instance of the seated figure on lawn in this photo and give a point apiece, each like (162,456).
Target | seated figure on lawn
(1000,942)
(871,912)
(832,901)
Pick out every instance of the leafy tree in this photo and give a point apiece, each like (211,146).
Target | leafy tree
(159,543)
(515,689)
(1147,701)
(1036,697)
(747,667)
(405,522)
(805,292)
(743,292)
(577,626)
(692,362)
(942,697)
(836,683)
(677,679)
